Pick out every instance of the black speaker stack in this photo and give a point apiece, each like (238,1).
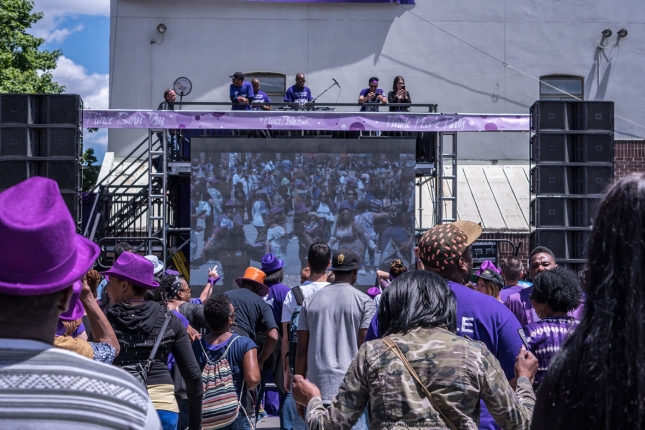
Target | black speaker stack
(572,163)
(40,135)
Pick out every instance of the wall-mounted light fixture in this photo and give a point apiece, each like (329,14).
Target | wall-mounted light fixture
(161,28)
(605,33)
(622,33)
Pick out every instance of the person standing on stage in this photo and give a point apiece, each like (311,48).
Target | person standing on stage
(241,92)
(298,93)
(169,100)
(372,96)
(259,97)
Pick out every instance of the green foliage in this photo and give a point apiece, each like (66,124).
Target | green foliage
(24,68)
(90,172)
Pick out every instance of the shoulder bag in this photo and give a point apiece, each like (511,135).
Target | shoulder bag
(140,370)
(395,349)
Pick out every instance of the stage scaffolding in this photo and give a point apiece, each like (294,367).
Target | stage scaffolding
(137,201)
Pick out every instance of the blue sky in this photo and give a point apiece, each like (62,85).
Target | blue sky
(81,29)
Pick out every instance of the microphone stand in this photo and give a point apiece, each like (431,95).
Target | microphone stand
(314,100)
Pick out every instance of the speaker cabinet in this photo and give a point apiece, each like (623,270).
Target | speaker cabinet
(594,116)
(550,180)
(565,244)
(572,148)
(60,142)
(562,211)
(13,172)
(551,115)
(19,141)
(65,173)
(61,109)
(19,109)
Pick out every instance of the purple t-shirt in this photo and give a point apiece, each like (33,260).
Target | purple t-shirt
(275,299)
(520,304)
(295,95)
(260,98)
(246,91)
(507,291)
(545,338)
(372,104)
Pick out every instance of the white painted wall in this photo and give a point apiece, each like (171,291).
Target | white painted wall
(207,40)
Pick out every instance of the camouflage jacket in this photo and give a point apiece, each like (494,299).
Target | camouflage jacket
(457,371)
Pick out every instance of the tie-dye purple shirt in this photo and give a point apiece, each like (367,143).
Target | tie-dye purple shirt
(545,338)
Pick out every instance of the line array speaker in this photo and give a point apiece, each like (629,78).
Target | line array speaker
(572,152)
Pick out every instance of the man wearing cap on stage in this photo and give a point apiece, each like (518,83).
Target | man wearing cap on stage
(298,93)
(332,326)
(446,250)
(41,257)
(241,92)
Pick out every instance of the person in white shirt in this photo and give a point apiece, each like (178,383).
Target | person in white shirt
(318,260)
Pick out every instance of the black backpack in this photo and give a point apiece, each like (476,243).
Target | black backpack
(293,326)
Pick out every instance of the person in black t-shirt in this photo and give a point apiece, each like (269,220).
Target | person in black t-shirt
(253,315)
(399,95)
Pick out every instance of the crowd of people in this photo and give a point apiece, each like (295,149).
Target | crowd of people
(244,205)
(433,345)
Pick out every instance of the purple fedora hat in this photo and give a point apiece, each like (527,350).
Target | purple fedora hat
(134,268)
(40,251)
(76,309)
(270,263)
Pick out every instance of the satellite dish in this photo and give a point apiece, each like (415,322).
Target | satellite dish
(182,86)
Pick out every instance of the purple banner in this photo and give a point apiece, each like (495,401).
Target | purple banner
(335,1)
(303,120)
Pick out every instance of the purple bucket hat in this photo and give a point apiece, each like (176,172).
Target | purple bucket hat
(134,268)
(270,263)
(40,251)
(76,309)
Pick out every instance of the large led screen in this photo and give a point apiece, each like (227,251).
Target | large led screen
(253,196)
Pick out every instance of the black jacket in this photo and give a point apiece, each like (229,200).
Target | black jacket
(137,328)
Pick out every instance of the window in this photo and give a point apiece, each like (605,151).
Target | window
(573,85)
(274,84)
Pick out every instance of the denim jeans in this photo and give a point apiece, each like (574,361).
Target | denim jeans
(168,419)
(241,423)
(286,415)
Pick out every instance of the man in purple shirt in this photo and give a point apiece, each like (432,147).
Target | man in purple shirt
(241,92)
(372,96)
(445,249)
(298,93)
(512,272)
(260,97)
(541,259)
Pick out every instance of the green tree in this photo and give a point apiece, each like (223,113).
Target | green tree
(90,171)
(24,67)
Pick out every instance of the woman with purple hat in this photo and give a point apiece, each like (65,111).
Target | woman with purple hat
(137,324)
(70,327)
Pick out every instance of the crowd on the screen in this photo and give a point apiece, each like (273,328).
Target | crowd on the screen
(362,203)
(433,344)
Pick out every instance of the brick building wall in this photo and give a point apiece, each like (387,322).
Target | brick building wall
(629,157)
(505,248)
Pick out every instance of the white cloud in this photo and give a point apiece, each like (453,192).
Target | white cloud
(93,88)
(58,35)
(56,10)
